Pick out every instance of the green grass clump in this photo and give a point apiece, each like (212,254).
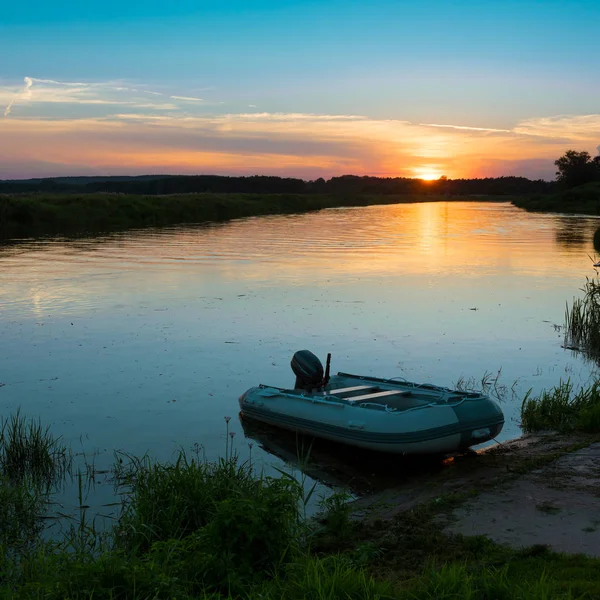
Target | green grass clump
(29,450)
(563,409)
(227,522)
(22,505)
(583,199)
(582,321)
(32,461)
(458,581)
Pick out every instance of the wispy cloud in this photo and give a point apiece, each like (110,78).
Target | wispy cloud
(580,128)
(187,98)
(107,125)
(465,127)
(24,95)
(39,93)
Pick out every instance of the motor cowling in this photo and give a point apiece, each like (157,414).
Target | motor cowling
(308,370)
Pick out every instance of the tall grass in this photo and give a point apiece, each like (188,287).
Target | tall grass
(582,321)
(563,409)
(456,581)
(234,523)
(30,450)
(581,199)
(32,461)
(194,529)
(30,215)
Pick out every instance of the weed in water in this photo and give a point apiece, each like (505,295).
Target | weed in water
(27,449)
(582,321)
(563,409)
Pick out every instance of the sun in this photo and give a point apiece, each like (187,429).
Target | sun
(427,174)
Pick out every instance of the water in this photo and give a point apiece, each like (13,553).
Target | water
(143,341)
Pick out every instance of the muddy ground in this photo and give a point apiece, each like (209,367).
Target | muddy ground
(538,489)
(542,489)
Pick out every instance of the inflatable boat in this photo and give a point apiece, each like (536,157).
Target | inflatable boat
(386,415)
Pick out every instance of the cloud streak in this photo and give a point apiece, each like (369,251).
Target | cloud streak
(465,127)
(25,95)
(115,127)
(186,98)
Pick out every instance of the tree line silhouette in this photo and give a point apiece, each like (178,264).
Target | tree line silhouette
(577,168)
(262,184)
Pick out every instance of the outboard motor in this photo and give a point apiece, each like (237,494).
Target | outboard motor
(308,370)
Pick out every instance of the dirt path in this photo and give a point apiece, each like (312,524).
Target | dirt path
(557,505)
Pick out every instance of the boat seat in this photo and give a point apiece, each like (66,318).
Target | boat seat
(377,395)
(349,390)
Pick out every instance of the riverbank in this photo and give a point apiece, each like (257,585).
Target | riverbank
(196,529)
(34,215)
(584,199)
(526,509)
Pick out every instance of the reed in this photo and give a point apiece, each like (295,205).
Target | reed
(30,450)
(193,529)
(563,408)
(582,321)
(31,215)
(22,505)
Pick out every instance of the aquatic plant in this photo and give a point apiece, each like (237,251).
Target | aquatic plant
(32,461)
(22,505)
(232,522)
(216,531)
(29,450)
(582,321)
(563,409)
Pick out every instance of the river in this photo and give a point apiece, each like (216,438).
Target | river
(143,341)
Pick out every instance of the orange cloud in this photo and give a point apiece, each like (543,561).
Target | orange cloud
(127,134)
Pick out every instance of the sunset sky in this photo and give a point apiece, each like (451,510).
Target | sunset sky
(299,88)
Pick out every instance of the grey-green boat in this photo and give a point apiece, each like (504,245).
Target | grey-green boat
(387,415)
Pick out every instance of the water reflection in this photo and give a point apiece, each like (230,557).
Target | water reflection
(573,231)
(144,340)
(434,240)
(339,466)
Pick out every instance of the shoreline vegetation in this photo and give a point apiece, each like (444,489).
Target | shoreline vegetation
(90,205)
(38,215)
(583,199)
(191,528)
(85,205)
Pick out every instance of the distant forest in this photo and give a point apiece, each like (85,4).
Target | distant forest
(260,184)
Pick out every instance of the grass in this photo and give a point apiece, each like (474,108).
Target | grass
(214,530)
(29,450)
(421,560)
(563,409)
(32,462)
(584,199)
(582,321)
(32,215)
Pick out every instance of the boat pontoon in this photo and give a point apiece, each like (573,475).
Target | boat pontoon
(387,415)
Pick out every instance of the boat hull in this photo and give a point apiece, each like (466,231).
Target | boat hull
(443,427)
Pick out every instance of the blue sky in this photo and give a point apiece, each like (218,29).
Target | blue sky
(470,64)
